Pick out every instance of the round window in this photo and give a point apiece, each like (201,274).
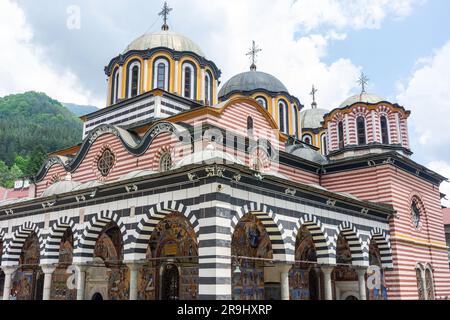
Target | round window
(105,162)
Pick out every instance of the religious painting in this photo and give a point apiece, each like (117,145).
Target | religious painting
(30,251)
(375,260)
(146,283)
(251,240)
(300,274)
(108,246)
(344,270)
(119,283)
(189,283)
(62,273)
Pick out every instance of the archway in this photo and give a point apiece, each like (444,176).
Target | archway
(304,277)
(171,270)
(28,280)
(344,276)
(378,292)
(61,290)
(252,251)
(97,297)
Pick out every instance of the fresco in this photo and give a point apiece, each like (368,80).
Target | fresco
(375,260)
(60,290)
(250,239)
(146,283)
(299,275)
(345,271)
(119,283)
(109,245)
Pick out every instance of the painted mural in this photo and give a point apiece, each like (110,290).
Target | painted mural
(375,260)
(27,282)
(250,239)
(301,288)
(62,273)
(344,271)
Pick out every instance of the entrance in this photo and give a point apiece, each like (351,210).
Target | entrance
(97,297)
(170,289)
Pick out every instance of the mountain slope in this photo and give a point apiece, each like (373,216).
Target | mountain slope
(33,121)
(80,110)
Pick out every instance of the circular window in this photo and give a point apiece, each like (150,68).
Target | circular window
(105,162)
(415,212)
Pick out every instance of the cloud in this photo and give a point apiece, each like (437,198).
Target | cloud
(426,93)
(25,66)
(443,168)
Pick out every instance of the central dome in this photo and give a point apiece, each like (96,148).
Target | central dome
(167,39)
(250,81)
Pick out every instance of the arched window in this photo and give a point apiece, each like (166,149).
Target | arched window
(295,115)
(420,284)
(134,79)
(188,81)
(208,88)
(341,135)
(429,283)
(415,213)
(250,126)
(307,138)
(323,139)
(284,123)
(361,130)
(115,86)
(384,130)
(262,101)
(161,74)
(165,162)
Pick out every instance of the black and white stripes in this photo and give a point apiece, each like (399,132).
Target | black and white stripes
(14,247)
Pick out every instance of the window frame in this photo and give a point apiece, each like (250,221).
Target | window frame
(193,75)
(260,99)
(359,135)
(131,65)
(156,64)
(385,139)
(282,105)
(166,156)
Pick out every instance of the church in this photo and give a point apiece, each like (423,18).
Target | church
(184,188)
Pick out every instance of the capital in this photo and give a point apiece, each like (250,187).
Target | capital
(48,269)
(327,269)
(9,270)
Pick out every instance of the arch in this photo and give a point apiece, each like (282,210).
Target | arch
(262,101)
(429,282)
(115,85)
(132,67)
(295,121)
(384,128)
(351,234)
(84,251)
(161,79)
(189,83)
(137,249)
(307,138)
(379,236)
(273,227)
(361,130)
(319,235)
(54,238)
(208,88)
(341,140)
(323,144)
(283,112)
(14,247)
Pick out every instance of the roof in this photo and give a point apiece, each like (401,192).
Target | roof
(251,81)
(446,214)
(167,39)
(312,118)
(363,97)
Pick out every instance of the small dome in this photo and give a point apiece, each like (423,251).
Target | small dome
(363,97)
(251,81)
(309,154)
(166,39)
(312,118)
(60,187)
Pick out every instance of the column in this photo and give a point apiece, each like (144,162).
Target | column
(48,272)
(134,272)
(362,283)
(284,277)
(327,282)
(81,281)
(8,271)
(319,288)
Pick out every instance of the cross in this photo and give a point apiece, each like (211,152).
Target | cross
(253,53)
(313,93)
(362,81)
(165,13)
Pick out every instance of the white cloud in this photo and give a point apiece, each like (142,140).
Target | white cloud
(443,168)
(26,66)
(427,95)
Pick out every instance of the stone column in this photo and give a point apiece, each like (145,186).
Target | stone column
(284,281)
(81,280)
(134,272)
(328,294)
(8,271)
(319,288)
(362,283)
(48,272)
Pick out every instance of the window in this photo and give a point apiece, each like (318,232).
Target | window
(208,88)
(295,115)
(165,163)
(115,87)
(361,130)
(341,135)
(262,101)
(105,162)
(134,75)
(429,283)
(188,81)
(307,139)
(420,284)
(384,130)
(161,74)
(283,117)
(250,126)
(415,213)
(323,139)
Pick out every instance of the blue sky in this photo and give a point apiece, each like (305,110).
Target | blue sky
(402,45)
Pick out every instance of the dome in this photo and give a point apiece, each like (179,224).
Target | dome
(60,187)
(310,155)
(250,81)
(312,118)
(166,39)
(363,97)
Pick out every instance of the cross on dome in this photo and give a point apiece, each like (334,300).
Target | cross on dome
(362,81)
(165,13)
(253,53)
(313,93)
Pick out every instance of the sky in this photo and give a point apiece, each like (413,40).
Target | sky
(403,46)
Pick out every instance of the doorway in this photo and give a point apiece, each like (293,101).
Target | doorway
(170,287)
(97,297)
